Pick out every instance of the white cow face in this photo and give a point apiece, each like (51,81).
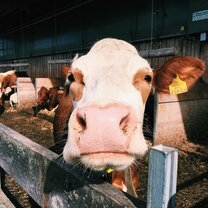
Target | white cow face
(112,84)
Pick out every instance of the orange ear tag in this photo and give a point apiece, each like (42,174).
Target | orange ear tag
(177,86)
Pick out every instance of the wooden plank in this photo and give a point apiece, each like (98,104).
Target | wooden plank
(4,201)
(158,52)
(162,177)
(51,182)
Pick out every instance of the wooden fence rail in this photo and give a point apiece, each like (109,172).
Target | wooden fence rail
(53,183)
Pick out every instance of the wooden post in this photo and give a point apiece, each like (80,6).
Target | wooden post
(162,177)
(4,200)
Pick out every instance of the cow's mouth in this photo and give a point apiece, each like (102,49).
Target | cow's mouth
(101,161)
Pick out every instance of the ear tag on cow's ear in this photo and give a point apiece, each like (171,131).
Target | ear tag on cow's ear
(177,86)
(109,170)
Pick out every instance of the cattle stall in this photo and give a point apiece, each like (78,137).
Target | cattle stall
(27,89)
(25,92)
(36,169)
(48,83)
(183,116)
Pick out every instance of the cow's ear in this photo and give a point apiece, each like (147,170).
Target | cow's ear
(181,69)
(78,76)
(65,70)
(67,73)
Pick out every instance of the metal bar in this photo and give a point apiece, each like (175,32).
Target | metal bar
(158,52)
(61,61)
(14,65)
(162,177)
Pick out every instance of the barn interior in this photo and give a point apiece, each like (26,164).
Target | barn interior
(39,36)
(38,28)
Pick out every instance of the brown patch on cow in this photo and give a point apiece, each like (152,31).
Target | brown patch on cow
(43,95)
(118,179)
(189,69)
(76,87)
(76,90)
(61,118)
(1,78)
(54,97)
(65,70)
(9,81)
(142,82)
(78,76)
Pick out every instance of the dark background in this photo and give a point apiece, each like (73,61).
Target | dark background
(31,28)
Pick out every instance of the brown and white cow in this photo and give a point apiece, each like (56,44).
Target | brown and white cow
(8,81)
(106,103)
(47,99)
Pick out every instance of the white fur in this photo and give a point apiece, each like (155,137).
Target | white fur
(13,99)
(108,70)
(7,90)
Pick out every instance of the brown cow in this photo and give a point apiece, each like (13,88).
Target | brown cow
(62,113)
(105,106)
(47,99)
(42,100)
(3,74)
(8,81)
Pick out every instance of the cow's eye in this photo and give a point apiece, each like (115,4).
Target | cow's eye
(148,78)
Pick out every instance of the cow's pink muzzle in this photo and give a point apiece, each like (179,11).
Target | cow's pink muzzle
(105,129)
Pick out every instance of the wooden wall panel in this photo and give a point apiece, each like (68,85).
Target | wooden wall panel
(25,92)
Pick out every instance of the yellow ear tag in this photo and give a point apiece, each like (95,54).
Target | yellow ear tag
(178,86)
(109,170)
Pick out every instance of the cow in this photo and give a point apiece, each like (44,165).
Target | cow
(9,81)
(3,74)
(10,78)
(101,112)
(47,99)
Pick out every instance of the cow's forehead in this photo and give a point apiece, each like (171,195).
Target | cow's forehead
(100,66)
(111,56)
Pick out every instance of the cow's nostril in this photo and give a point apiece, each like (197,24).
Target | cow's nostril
(124,123)
(81,119)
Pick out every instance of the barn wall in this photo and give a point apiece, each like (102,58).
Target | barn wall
(182,117)
(39,66)
(77,28)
